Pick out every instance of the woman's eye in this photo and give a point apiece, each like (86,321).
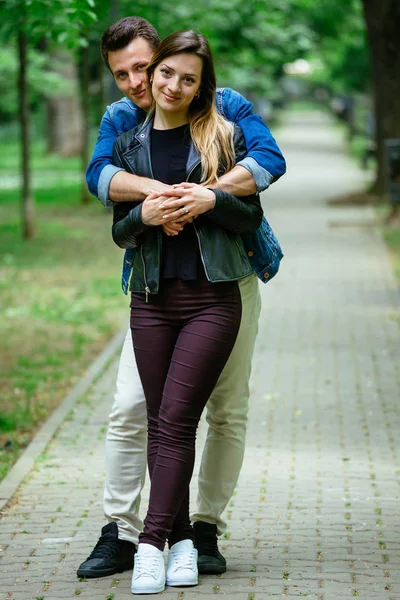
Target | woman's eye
(165,71)
(121,75)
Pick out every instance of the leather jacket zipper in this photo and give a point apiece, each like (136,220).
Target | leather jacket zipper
(194,226)
(146,287)
(201,253)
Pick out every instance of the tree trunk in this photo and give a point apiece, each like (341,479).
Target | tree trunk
(84,77)
(64,116)
(113,93)
(383,26)
(24,118)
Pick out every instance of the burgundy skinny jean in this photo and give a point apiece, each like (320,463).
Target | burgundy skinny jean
(182,339)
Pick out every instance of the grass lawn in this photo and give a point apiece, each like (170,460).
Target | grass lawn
(60,302)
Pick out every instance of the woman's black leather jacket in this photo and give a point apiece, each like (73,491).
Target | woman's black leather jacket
(218,232)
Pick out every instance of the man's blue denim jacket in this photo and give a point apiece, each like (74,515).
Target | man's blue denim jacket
(264,160)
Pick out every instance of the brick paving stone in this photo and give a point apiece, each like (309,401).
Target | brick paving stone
(315,513)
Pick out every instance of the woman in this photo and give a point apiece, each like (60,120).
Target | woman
(185,308)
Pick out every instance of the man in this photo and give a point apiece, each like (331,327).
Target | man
(127,47)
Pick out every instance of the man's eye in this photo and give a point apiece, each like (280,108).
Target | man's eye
(121,75)
(141,67)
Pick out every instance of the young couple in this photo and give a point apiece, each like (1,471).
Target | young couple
(183,189)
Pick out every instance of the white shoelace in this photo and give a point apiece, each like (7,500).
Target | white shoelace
(143,566)
(183,560)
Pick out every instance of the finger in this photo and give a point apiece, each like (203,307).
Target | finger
(176,225)
(173,225)
(176,215)
(160,198)
(183,211)
(152,196)
(175,204)
(175,193)
(184,220)
(169,231)
(184,185)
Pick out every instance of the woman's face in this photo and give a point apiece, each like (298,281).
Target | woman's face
(176,81)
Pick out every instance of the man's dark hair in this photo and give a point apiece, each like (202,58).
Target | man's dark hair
(121,33)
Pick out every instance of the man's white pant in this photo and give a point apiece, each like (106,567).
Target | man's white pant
(222,457)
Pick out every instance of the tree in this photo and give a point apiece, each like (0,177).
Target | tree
(27,198)
(383,26)
(64,114)
(28,21)
(359,41)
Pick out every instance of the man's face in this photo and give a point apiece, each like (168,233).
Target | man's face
(128,66)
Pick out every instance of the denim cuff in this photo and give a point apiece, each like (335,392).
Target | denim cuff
(103,186)
(261,176)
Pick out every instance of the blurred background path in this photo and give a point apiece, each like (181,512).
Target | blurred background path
(316,512)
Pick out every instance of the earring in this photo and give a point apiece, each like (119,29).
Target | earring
(197,96)
(151,81)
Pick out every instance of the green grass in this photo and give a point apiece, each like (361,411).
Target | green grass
(60,302)
(40,160)
(66,194)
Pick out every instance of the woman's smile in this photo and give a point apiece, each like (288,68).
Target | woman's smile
(176,83)
(170,98)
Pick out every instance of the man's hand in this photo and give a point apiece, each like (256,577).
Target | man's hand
(152,186)
(186,201)
(126,187)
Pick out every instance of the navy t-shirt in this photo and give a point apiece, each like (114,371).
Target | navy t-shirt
(169,153)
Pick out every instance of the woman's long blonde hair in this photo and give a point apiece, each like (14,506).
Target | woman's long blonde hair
(210,132)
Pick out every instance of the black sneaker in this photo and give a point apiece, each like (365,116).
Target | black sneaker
(110,555)
(210,561)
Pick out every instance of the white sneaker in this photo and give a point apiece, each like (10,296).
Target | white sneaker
(148,571)
(182,564)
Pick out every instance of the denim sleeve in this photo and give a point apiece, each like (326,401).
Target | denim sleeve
(261,176)
(102,154)
(118,118)
(106,174)
(266,160)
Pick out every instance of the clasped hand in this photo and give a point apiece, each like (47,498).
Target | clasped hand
(177,206)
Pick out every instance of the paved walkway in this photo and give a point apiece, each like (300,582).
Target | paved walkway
(316,512)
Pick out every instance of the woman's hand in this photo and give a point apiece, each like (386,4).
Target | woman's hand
(172,228)
(154,212)
(186,201)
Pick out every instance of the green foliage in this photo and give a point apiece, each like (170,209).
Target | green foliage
(251,40)
(42,81)
(58,20)
(340,51)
